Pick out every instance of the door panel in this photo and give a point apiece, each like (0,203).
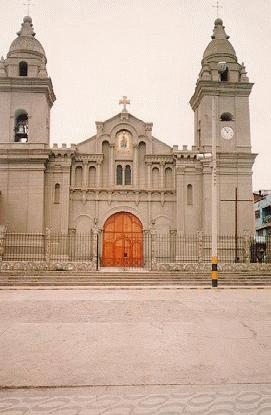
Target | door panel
(122,241)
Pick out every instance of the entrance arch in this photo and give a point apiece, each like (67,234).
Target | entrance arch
(122,241)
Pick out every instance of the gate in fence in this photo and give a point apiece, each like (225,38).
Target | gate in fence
(130,249)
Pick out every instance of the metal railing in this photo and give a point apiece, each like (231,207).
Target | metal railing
(132,250)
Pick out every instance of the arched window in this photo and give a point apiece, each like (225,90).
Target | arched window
(226,116)
(78,177)
(119,175)
(224,76)
(57,193)
(92,176)
(128,175)
(155,178)
(21,128)
(23,69)
(168,178)
(190,194)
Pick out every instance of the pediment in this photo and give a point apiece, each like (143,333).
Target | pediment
(138,129)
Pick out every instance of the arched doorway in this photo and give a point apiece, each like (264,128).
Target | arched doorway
(122,241)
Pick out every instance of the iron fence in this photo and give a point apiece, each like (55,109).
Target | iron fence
(132,250)
(260,249)
(197,248)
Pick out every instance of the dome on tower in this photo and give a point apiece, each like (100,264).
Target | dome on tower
(26,41)
(219,45)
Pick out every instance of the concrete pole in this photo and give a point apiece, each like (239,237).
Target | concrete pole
(214,195)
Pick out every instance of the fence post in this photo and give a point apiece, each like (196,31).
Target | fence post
(200,246)
(153,250)
(3,231)
(95,248)
(47,242)
(246,247)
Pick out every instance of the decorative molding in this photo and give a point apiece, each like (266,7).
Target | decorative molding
(156,158)
(86,158)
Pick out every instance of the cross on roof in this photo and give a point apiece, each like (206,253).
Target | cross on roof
(28,4)
(124,101)
(217,6)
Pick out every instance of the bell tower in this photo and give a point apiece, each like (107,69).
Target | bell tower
(222,76)
(26,98)
(26,91)
(221,112)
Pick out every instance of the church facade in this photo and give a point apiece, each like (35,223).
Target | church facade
(123,179)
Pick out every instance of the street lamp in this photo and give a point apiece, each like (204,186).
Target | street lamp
(212,158)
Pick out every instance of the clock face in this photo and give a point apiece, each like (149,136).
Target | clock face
(227,133)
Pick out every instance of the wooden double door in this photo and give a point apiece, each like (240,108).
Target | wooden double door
(122,241)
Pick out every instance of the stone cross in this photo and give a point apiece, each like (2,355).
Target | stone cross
(217,6)
(124,101)
(28,4)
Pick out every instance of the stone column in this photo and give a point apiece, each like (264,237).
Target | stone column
(47,244)
(200,246)
(246,247)
(98,174)
(3,231)
(149,174)
(180,202)
(162,174)
(85,174)
(73,176)
(135,166)
(111,165)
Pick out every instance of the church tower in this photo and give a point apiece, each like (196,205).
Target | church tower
(26,91)
(224,81)
(222,76)
(26,98)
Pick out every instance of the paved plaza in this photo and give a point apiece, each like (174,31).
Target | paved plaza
(135,352)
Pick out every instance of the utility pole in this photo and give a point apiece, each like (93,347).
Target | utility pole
(214,273)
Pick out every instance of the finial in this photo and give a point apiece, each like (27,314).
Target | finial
(43,72)
(27,27)
(2,68)
(217,6)
(243,73)
(124,101)
(219,30)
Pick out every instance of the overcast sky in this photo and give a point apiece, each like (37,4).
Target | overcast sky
(150,50)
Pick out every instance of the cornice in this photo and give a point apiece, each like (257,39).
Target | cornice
(28,85)
(213,88)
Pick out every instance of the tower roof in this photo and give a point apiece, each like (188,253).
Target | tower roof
(219,45)
(26,41)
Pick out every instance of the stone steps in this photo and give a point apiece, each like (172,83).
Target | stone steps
(129,279)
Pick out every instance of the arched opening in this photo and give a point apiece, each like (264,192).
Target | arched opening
(189,194)
(155,178)
(78,177)
(168,178)
(57,193)
(224,76)
(122,241)
(128,175)
(119,175)
(23,69)
(21,128)
(226,116)
(92,176)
